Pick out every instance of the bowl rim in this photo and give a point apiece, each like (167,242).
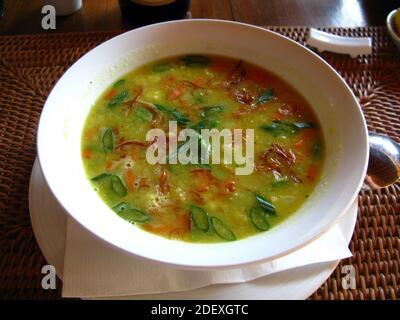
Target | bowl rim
(317,234)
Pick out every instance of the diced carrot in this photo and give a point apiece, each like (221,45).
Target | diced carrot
(180,226)
(87,154)
(312,172)
(164,229)
(133,154)
(308,135)
(109,164)
(197,198)
(169,81)
(184,104)
(204,179)
(200,81)
(89,134)
(177,92)
(182,220)
(299,144)
(143,183)
(278,116)
(111,94)
(202,186)
(130,180)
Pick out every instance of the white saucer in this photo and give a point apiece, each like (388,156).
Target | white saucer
(49,224)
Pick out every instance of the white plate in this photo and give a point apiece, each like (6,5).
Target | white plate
(59,138)
(49,225)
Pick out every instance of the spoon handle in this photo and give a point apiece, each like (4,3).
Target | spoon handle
(324,41)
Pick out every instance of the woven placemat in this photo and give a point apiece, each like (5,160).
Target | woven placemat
(31,65)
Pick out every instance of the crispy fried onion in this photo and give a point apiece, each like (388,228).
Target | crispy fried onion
(279,161)
(132,103)
(162,182)
(237,74)
(157,117)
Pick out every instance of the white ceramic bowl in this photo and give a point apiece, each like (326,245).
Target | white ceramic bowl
(65,111)
(390,27)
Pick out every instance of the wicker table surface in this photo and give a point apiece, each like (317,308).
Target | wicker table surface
(31,65)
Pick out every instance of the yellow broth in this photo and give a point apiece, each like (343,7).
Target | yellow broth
(215,92)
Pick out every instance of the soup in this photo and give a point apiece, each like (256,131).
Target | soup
(202,203)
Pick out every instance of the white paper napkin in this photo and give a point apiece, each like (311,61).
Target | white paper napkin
(95,269)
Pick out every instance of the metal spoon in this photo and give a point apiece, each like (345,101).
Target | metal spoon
(384,161)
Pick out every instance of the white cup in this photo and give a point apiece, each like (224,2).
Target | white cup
(64,7)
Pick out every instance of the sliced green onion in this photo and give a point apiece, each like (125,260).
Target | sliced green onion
(212,110)
(118,99)
(162,66)
(143,114)
(265,96)
(179,117)
(267,206)
(279,128)
(303,125)
(131,214)
(101,176)
(194,60)
(117,186)
(316,149)
(199,218)
(258,219)
(173,114)
(280,183)
(116,183)
(199,98)
(108,140)
(205,124)
(119,83)
(222,230)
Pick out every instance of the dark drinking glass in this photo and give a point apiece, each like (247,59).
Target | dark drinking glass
(143,12)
